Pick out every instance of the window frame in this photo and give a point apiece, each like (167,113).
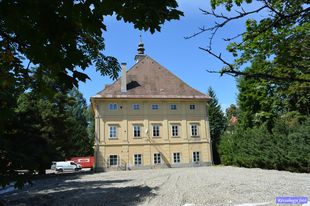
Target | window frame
(135,106)
(135,161)
(173,107)
(192,107)
(153,130)
(114,108)
(157,158)
(197,130)
(110,160)
(196,157)
(175,131)
(155,108)
(134,131)
(176,156)
(114,132)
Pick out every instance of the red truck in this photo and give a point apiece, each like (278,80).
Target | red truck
(85,162)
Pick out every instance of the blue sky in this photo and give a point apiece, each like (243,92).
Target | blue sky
(170,49)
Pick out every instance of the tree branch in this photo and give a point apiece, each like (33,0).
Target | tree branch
(226,21)
(242,14)
(272,9)
(234,37)
(27,68)
(232,71)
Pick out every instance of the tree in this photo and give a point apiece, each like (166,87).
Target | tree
(48,130)
(78,125)
(231,111)
(217,123)
(23,143)
(59,40)
(280,37)
(232,114)
(263,101)
(63,38)
(285,148)
(272,125)
(271,61)
(91,125)
(40,125)
(257,100)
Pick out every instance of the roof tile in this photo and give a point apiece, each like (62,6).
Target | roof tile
(149,79)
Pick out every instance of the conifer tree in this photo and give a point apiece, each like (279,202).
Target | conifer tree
(217,122)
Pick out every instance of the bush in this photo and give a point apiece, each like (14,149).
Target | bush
(287,147)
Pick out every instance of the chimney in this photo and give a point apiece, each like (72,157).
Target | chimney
(123,78)
(141,49)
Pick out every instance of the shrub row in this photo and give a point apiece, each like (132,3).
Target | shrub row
(286,147)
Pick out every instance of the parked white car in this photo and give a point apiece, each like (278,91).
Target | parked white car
(65,166)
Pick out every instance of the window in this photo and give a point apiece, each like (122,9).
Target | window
(196,156)
(136,131)
(113,132)
(176,157)
(192,106)
(173,107)
(156,130)
(194,130)
(175,130)
(138,159)
(157,159)
(113,160)
(136,106)
(155,106)
(112,106)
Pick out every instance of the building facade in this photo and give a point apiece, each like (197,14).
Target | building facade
(149,118)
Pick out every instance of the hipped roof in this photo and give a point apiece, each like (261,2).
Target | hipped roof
(149,79)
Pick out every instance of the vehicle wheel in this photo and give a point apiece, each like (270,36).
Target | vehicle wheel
(76,169)
(60,170)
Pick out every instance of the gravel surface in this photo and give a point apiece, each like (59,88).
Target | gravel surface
(179,186)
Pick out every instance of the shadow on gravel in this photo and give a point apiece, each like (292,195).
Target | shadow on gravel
(106,192)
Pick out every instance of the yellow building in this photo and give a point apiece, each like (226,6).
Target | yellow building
(150,118)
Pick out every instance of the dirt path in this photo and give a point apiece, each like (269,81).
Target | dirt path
(182,186)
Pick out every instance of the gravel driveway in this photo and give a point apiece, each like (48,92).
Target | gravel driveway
(181,186)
